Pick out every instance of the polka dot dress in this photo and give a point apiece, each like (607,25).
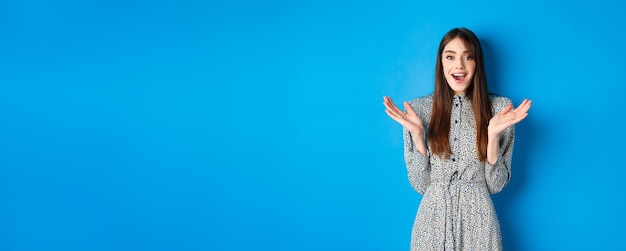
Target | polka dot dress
(456,211)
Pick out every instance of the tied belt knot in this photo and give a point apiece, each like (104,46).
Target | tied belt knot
(451,239)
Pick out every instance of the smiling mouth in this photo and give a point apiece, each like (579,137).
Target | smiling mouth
(459,76)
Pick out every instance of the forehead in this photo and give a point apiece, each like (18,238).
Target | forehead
(455,45)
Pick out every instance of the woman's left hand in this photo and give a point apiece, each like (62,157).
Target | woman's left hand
(508,117)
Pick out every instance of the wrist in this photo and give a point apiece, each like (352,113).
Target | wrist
(492,135)
(416,132)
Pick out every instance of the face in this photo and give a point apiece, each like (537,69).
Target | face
(458,66)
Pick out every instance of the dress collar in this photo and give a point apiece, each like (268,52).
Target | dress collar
(460,96)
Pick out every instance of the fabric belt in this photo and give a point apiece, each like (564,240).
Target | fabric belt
(452,225)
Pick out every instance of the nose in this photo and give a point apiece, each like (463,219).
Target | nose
(458,64)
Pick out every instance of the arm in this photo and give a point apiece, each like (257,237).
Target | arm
(417,164)
(499,157)
(501,136)
(415,151)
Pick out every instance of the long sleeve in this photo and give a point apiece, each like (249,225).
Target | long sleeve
(418,165)
(499,174)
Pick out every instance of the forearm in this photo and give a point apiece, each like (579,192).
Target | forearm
(493,148)
(418,141)
(417,163)
(498,166)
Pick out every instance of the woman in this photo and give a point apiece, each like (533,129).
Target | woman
(458,145)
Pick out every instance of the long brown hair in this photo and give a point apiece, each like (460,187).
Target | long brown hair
(439,127)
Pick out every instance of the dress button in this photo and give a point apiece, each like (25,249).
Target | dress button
(453,159)
(456,104)
(456,121)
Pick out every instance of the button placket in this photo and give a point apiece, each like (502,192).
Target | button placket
(455,128)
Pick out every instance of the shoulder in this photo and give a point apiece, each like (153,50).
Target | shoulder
(422,106)
(424,101)
(499,102)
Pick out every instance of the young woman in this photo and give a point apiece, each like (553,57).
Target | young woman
(458,145)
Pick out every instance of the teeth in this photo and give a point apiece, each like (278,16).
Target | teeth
(458,76)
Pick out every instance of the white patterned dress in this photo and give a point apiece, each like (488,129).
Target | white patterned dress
(456,211)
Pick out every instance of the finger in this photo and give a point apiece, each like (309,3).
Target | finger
(395,114)
(527,105)
(408,108)
(514,115)
(398,111)
(506,109)
(395,117)
(393,108)
(389,104)
(386,99)
(391,114)
(524,106)
(519,118)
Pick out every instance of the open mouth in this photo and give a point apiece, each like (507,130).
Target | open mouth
(459,77)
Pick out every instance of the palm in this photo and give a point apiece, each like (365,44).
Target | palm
(508,117)
(410,120)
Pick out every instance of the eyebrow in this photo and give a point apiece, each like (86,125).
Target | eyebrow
(451,51)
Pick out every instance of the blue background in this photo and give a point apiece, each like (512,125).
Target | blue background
(259,125)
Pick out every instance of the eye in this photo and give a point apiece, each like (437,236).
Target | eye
(450,57)
(467,58)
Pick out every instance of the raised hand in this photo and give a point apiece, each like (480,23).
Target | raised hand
(508,117)
(410,120)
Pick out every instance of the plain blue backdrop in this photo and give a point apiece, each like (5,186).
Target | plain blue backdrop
(259,125)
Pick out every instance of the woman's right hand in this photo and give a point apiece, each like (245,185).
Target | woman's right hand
(408,119)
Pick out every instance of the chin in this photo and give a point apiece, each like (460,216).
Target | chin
(460,89)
